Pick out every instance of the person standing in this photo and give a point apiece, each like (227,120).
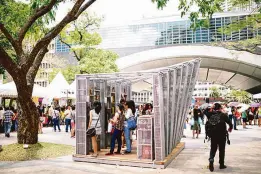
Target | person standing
(56,119)
(68,118)
(216,130)
(244,118)
(50,116)
(1,119)
(130,111)
(8,114)
(118,121)
(233,117)
(73,122)
(196,125)
(259,116)
(95,123)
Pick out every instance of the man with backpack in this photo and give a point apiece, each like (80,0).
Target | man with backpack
(216,131)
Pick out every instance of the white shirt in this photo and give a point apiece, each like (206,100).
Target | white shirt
(68,114)
(129,113)
(229,111)
(2,114)
(56,114)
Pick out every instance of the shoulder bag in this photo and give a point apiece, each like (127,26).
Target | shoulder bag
(92,132)
(132,124)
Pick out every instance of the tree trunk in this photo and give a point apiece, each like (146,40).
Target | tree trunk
(28,117)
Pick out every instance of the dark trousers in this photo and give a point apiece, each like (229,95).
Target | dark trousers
(49,121)
(67,123)
(13,126)
(219,142)
(56,122)
(116,136)
(1,126)
(232,117)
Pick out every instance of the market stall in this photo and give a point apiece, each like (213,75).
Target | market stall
(158,135)
(8,91)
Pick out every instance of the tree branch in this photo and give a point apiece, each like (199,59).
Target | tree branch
(79,32)
(84,7)
(38,13)
(55,31)
(74,52)
(7,63)
(17,49)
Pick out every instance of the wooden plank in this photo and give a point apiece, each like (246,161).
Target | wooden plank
(127,160)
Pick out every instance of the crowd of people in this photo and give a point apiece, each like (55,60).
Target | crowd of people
(251,116)
(123,125)
(55,116)
(215,118)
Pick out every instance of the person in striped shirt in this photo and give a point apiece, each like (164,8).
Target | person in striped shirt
(8,114)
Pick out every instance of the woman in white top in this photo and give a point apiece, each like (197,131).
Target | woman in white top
(95,123)
(130,111)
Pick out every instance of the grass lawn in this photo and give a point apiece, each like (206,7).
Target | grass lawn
(39,151)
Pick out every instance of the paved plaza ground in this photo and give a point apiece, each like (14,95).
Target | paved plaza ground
(242,157)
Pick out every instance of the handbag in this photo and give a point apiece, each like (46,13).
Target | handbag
(92,132)
(132,125)
(191,122)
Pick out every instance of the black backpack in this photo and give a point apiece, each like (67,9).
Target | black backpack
(213,125)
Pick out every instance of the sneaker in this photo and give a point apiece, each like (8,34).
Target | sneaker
(211,166)
(235,129)
(222,166)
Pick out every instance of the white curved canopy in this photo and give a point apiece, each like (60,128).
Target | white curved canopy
(241,70)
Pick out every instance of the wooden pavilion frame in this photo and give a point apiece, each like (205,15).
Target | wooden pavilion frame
(172,93)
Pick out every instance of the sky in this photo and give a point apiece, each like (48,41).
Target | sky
(117,12)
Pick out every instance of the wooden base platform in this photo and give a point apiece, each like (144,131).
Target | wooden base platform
(129,159)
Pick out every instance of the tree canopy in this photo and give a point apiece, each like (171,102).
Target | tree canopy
(80,36)
(24,39)
(215,92)
(239,96)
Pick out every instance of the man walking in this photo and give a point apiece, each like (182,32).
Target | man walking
(216,130)
(8,114)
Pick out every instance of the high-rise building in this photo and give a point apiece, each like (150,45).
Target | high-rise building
(46,67)
(203,90)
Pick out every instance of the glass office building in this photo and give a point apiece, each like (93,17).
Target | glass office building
(61,47)
(172,31)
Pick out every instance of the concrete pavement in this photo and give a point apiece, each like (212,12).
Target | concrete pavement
(242,156)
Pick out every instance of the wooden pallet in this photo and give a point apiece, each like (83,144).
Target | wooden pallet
(130,159)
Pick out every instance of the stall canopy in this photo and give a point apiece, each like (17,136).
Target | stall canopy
(58,88)
(72,90)
(9,90)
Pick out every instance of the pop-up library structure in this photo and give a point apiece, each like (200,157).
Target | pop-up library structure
(159,134)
